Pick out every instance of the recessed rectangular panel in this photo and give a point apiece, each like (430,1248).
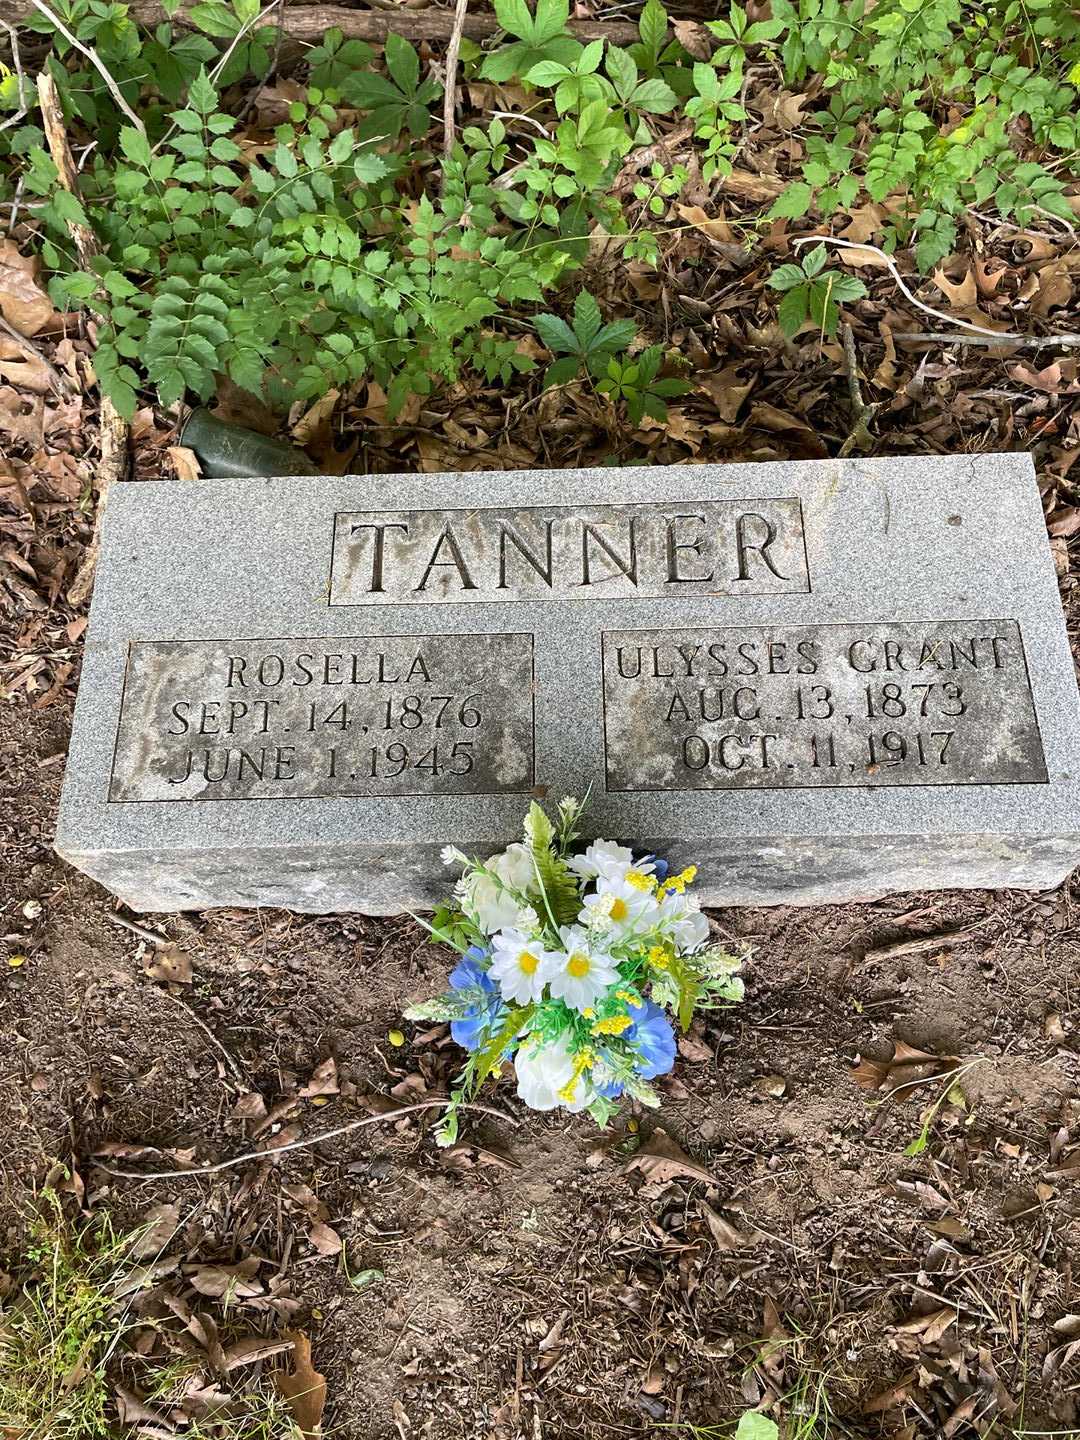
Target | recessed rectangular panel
(780,707)
(374,715)
(560,552)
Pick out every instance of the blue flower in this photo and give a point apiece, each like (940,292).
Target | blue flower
(652,1037)
(473,1028)
(660,867)
(653,1041)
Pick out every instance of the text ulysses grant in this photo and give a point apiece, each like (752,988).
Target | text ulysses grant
(915,703)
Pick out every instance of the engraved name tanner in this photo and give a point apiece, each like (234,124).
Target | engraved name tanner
(380,715)
(598,552)
(938,703)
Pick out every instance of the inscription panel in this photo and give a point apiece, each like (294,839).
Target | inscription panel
(564,552)
(764,707)
(299,718)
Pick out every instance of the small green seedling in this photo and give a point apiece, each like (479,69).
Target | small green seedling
(634,381)
(589,345)
(812,293)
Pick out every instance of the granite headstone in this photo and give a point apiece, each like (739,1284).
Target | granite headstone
(817,681)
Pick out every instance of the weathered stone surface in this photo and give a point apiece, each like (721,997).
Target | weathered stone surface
(819,681)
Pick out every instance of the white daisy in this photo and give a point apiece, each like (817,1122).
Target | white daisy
(520,965)
(681,917)
(548,1076)
(582,972)
(603,858)
(490,904)
(619,907)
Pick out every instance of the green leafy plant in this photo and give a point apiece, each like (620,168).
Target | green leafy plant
(588,345)
(636,381)
(396,101)
(934,106)
(813,293)
(540,36)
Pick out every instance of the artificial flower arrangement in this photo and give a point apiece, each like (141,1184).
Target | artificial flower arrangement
(570,963)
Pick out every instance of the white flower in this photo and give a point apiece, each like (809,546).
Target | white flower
(451,855)
(681,917)
(487,902)
(548,1076)
(619,906)
(581,973)
(528,920)
(520,965)
(603,858)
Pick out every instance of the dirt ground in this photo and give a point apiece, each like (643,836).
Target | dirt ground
(543,1279)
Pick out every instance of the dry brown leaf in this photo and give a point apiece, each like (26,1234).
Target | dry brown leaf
(184,461)
(726,1235)
(694,38)
(324,1080)
(325,1238)
(170,964)
(23,303)
(661,1159)
(961,294)
(714,226)
(303,1389)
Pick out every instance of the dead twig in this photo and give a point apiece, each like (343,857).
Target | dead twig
(859,437)
(60,383)
(16,60)
(152,937)
(1006,342)
(272,1154)
(95,60)
(238,1074)
(453,50)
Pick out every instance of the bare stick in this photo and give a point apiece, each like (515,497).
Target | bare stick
(1013,342)
(453,50)
(238,1074)
(61,384)
(113,434)
(859,437)
(95,60)
(21,78)
(272,1154)
(152,937)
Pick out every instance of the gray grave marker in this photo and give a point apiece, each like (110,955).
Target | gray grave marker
(817,681)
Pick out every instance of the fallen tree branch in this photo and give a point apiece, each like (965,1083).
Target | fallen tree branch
(310,22)
(113,430)
(272,1154)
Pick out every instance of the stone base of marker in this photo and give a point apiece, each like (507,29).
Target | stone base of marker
(818,682)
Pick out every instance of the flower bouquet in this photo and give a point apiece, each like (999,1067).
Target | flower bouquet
(570,962)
